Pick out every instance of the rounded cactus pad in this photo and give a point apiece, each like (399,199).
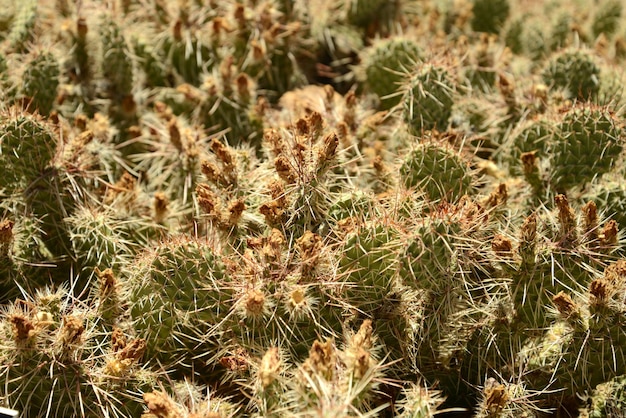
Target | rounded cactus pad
(586,144)
(574,71)
(178,293)
(490,15)
(429,98)
(439,172)
(387,65)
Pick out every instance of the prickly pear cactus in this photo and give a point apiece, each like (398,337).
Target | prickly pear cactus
(490,15)
(437,171)
(585,145)
(428,98)
(575,71)
(193,299)
(41,79)
(387,65)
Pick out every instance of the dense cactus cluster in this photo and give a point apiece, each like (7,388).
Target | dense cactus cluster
(276,208)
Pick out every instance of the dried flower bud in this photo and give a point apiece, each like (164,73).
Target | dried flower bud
(529,161)
(132,351)
(501,245)
(161,203)
(302,126)
(565,304)
(567,219)
(285,170)
(310,245)
(23,327)
(270,367)
(72,331)
(328,149)
(161,406)
(601,290)
(235,210)
(608,236)
(590,221)
(322,359)
(108,283)
(316,123)
(363,338)
(497,197)
(6,232)
(243,84)
(175,137)
(207,199)
(496,396)
(222,152)
(118,340)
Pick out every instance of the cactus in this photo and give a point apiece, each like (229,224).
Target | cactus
(387,64)
(55,363)
(41,79)
(27,146)
(428,98)
(490,15)
(117,67)
(187,312)
(607,399)
(607,17)
(575,71)
(586,144)
(23,25)
(437,171)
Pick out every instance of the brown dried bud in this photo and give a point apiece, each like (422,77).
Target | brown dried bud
(254,303)
(322,359)
(601,290)
(302,126)
(285,170)
(71,331)
(277,191)
(501,245)
(133,351)
(175,137)
(6,231)
(81,27)
(498,196)
(615,273)
(243,87)
(270,367)
(161,406)
(235,210)
(310,245)
(23,327)
(207,199)
(328,150)
(567,219)
(272,212)
(108,283)
(81,122)
(565,304)
(363,338)
(529,161)
(211,171)
(161,203)
(608,236)
(590,222)
(316,123)
(222,152)
(274,141)
(118,340)
(236,363)
(496,396)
